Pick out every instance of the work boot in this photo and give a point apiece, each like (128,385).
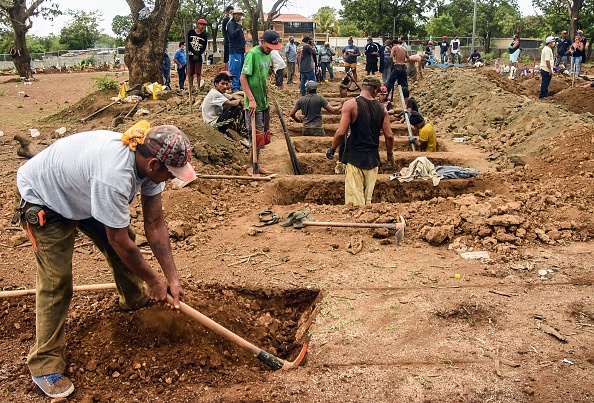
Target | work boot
(54,385)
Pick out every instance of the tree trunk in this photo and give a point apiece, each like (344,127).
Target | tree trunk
(574,15)
(255,14)
(146,41)
(487,48)
(19,52)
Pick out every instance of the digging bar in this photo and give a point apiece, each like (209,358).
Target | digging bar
(412,145)
(272,361)
(294,161)
(399,227)
(99,111)
(255,169)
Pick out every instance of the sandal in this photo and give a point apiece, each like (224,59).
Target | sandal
(294,217)
(273,219)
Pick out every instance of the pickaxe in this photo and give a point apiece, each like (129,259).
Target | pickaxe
(399,227)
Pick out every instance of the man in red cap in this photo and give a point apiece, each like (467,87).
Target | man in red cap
(196,45)
(86,182)
(563,51)
(254,80)
(444,47)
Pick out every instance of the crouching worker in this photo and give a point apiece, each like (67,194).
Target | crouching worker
(426,141)
(219,109)
(86,182)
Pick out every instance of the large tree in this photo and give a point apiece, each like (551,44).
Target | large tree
(495,19)
(380,18)
(147,39)
(255,13)
(120,25)
(191,10)
(326,21)
(20,12)
(82,32)
(566,13)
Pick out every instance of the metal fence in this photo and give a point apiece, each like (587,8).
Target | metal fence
(105,57)
(67,58)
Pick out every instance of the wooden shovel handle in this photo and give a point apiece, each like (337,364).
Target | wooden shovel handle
(76,288)
(215,327)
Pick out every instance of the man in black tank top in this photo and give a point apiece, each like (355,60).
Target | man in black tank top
(361,122)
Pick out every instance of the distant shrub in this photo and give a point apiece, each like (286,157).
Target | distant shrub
(488,58)
(106,83)
(89,61)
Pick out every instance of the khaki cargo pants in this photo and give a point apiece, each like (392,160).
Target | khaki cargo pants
(53,245)
(359,184)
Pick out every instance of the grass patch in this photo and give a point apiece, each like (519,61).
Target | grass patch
(343,324)
(106,83)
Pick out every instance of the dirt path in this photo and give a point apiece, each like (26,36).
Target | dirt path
(410,323)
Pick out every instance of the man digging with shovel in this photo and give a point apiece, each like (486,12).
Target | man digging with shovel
(86,182)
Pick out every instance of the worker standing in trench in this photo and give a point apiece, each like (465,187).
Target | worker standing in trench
(86,182)
(363,118)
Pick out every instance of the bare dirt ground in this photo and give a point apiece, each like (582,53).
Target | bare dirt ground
(411,323)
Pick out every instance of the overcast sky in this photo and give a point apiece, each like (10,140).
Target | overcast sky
(111,8)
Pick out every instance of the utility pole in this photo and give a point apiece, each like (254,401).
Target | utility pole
(394,23)
(473,28)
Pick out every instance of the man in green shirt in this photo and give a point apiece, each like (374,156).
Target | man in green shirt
(254,75)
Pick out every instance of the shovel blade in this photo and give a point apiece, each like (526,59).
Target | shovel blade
(400,232)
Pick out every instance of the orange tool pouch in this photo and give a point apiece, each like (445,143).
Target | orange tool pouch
(35,217)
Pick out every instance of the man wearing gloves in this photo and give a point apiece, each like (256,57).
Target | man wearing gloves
(361,121)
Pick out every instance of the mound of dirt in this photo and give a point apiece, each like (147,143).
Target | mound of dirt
(463,104)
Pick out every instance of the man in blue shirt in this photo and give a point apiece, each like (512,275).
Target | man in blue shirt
(179,58)
(563,45)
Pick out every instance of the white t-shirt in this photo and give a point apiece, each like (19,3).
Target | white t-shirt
(89,174)
(277,61)
(546,54)
(212,106)
(455,46)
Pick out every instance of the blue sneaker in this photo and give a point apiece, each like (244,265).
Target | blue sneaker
(54,385)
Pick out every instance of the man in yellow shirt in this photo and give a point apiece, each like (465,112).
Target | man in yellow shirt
(426,141)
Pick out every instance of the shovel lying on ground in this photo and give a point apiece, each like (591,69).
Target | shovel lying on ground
(399,227)
(272,361)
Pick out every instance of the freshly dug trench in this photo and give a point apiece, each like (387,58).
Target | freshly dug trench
(307,144)
(330,190)
(317,163)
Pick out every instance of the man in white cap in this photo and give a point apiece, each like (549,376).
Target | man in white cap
(236,40)
(85,182)
(546,66)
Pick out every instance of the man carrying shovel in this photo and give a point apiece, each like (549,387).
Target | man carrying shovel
(86,182)
(254,79)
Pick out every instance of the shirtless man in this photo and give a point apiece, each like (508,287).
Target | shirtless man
(399,74)
(415,64)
